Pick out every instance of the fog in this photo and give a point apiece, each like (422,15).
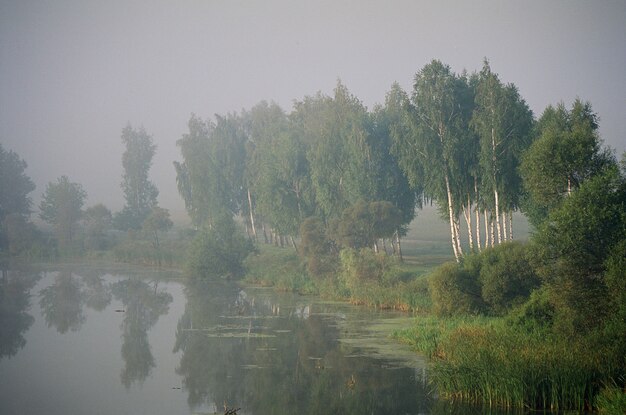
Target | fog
(74,73)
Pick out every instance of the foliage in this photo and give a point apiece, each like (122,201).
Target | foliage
(566,152)
(571,250)
(15,185)
(218,252)
(611,401)
(362,224)
(140,193)
(479,360)
(15,204)
(61,206)
(506,276)
(279,268)
(317,248)
(455,291)
(98,221)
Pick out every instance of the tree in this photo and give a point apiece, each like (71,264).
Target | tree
(61,206)
(211,177)
(430,146)
(15,204)
(158,221)
(98,220)
(219,251)
(566,152)
(140,193)
(362,224)
(503,122)
(575,248)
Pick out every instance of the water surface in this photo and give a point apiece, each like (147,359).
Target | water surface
(101,341)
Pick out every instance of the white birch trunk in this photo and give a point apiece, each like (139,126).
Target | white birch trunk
(477,212)
(486,229)
(493,235)
(467,213)
(504,227)
(399,246)
(457,235)
(510,226)
(497,209)
(457,254)
(251,216)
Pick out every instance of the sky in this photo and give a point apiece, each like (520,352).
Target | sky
(73,74)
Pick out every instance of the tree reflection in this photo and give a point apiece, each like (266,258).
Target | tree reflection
(250,353)
(97,292)
(143,305)
(62,303)
(15,289)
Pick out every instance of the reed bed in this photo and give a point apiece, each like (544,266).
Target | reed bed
(483,361)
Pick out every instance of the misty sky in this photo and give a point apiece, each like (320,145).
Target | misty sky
(74,73)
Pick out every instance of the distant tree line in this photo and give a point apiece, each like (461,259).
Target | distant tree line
(333,173)
(469,143)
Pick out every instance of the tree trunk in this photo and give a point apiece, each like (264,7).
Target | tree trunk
(457,235)
(399,246)
(293,243)
(497,209)
(467,213)
(495,183)
(251,216)
(457,254)
(493,235)
(477,211)
(510,226)
(376,246)
(505,236)
(486,229)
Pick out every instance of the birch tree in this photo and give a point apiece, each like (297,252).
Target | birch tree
(438,125)
(566,152)
(139,192)
(503,122)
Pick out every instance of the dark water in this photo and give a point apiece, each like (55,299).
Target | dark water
(96,341)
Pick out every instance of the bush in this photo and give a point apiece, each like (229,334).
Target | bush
(454,291)
(218,252)
(317,248)
(506,277)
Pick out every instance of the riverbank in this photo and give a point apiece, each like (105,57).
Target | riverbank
(510,361)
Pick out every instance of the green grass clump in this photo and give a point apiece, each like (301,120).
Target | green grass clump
(280,268)
(484,360)
(611,401)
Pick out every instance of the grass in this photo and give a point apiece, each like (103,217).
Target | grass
(483,360)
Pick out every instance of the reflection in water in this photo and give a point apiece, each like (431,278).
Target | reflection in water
(97,293)
(250,353)
(143,305)
(62,303)
(15,289)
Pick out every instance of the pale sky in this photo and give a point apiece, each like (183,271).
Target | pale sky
(74,73)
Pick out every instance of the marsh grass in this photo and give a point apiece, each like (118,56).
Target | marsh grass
(279,268)
(482,360)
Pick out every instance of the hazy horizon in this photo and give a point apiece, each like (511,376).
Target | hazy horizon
(74,73)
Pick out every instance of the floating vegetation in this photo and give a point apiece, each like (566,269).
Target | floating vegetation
(245,335)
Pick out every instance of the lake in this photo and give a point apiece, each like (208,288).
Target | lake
(90,340)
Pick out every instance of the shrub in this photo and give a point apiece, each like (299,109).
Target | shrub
(218,252)
(506,276)
(454,291)
(317,248)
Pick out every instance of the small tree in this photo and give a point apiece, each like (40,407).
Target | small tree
(218,252)
(140,193)
(15,204)
(158,221)
(61,207)
(97,220)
